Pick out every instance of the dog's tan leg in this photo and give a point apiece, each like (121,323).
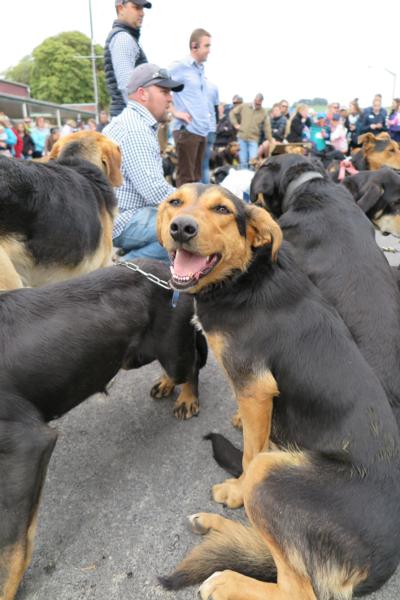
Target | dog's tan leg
(202,523)
(9,278)
(255,407)
(163,388)
(187,403)
(228,585)
(23,466)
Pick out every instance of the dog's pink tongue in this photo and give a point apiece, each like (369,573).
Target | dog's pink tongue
(186,263)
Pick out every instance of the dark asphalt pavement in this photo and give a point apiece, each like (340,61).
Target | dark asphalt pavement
(123,477)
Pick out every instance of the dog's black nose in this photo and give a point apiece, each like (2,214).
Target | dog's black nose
(183,229)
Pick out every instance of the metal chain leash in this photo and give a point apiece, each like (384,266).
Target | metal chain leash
(153,278)
(390,249)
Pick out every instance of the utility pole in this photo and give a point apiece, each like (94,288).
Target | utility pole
(93,59)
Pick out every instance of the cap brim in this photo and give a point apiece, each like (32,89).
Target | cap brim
(170,84)
(143,3)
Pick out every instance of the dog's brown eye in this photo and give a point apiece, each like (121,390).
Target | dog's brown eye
(175,202)
(222,210)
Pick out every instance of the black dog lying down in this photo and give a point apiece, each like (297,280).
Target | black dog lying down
(335,245)
(377,193)
(59,345)
(324,506)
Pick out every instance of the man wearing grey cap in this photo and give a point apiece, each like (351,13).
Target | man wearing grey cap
(122,51)
(135,131)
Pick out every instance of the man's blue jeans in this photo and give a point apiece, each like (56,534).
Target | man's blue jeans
(247,151)
(139,238)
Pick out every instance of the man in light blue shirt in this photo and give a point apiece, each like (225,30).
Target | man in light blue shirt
(191,109)
(144,188)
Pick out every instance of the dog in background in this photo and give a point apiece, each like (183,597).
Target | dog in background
(377,151)
(60,344)
(169,163)
(56,217)
(377,193)
(301,381)
(225,156)
(335,245)
(93,147)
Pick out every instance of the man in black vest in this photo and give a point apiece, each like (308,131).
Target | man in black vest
(122,52)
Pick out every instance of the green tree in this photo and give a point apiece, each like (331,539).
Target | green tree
(60,72)
(21,72)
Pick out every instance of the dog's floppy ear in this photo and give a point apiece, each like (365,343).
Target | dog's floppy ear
(370,196)
(111,161)
(54,152)
(365,138)
(262,229)
(359,161)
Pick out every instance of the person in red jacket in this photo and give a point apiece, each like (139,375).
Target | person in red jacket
(19,130)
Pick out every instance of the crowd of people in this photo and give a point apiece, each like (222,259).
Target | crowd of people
(34,138)
(332,134)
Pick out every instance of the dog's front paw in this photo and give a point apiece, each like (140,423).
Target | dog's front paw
(186,409)
(230,493)
(199,523)
(220,586)
(162,388)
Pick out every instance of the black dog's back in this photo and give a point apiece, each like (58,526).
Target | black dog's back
(62,343)
(44,203)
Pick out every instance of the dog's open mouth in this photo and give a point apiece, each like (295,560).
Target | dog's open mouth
(187,268)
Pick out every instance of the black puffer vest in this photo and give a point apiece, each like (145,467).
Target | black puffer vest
(117,101)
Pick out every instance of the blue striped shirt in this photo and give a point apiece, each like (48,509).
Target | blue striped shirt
(135,131)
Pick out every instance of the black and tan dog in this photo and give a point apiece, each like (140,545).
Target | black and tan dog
(56,217)
(377,193)
(376,151)
(60,344)
(335,245)
(93,147)
(325,506)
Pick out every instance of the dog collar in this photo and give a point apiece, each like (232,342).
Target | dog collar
(296,183)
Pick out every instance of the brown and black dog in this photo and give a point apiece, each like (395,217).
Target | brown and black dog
(324,507)
(377,151)
(56,216)
(377,193)
(93,147)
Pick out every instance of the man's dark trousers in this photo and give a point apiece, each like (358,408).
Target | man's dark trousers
(190,149)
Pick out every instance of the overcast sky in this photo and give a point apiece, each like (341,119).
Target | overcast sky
(305,49)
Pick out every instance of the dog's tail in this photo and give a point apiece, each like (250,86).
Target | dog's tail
(239,549)
(225,454)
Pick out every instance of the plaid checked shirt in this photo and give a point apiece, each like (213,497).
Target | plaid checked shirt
(135,131)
